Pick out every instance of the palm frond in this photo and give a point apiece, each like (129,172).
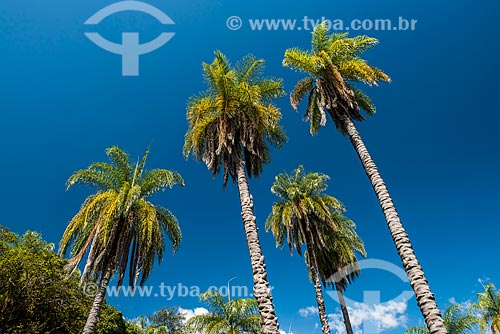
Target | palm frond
(156,180)
(303,61)
(302,88)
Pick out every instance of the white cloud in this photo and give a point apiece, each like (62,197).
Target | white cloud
(189,313)
(384,316)
(284,332)
(452,300)
(308,311)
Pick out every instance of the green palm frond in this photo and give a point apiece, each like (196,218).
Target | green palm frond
(92,177)
(169,224)
(302,88)
(156,180)
(342,48)
(249,69)
(364,101)
(417,330)
(320,38)
(303,61)
(120,161)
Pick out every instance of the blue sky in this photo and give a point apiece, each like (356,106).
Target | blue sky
(63,101)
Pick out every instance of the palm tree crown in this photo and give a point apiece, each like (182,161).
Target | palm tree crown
(489,305)
(237,316)
(302,207)
(118,215)
(234,119)
(333,60)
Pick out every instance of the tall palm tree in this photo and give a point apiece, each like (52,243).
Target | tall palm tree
(118,224)
(333,62)
(338,266)
(237,316)
(231,126)
(304,214)
(456,321)
(489,305)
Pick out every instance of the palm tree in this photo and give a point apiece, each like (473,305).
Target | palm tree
(489,305)
(118,224)
(237,316)
(339,265)
(231,126)
(334,60)
(456,322)
(304,214)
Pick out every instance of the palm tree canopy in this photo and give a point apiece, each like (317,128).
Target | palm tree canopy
(302,206)
(333,61)
(456,321)
(237,316)
(119,211)
(489,305)
(234,118)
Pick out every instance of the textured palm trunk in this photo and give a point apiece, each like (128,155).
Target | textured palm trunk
(320,300)
(262,292)
(95,310)
(425,298)
(343,308)
(494,328)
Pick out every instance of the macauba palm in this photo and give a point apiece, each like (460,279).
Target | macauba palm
(333,64)
(231,126)
(117,226)
(305,215)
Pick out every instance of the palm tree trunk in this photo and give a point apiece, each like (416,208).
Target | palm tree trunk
(262,292)
(424,296)
(343,308)
(320,300)
(95,310)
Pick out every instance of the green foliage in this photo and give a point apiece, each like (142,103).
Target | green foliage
(237,316)
(302,207)
(333,64)
(234,119)
(167,321)
(456,321)
(35,294)
(121,228)
(489,306)
(305,214)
